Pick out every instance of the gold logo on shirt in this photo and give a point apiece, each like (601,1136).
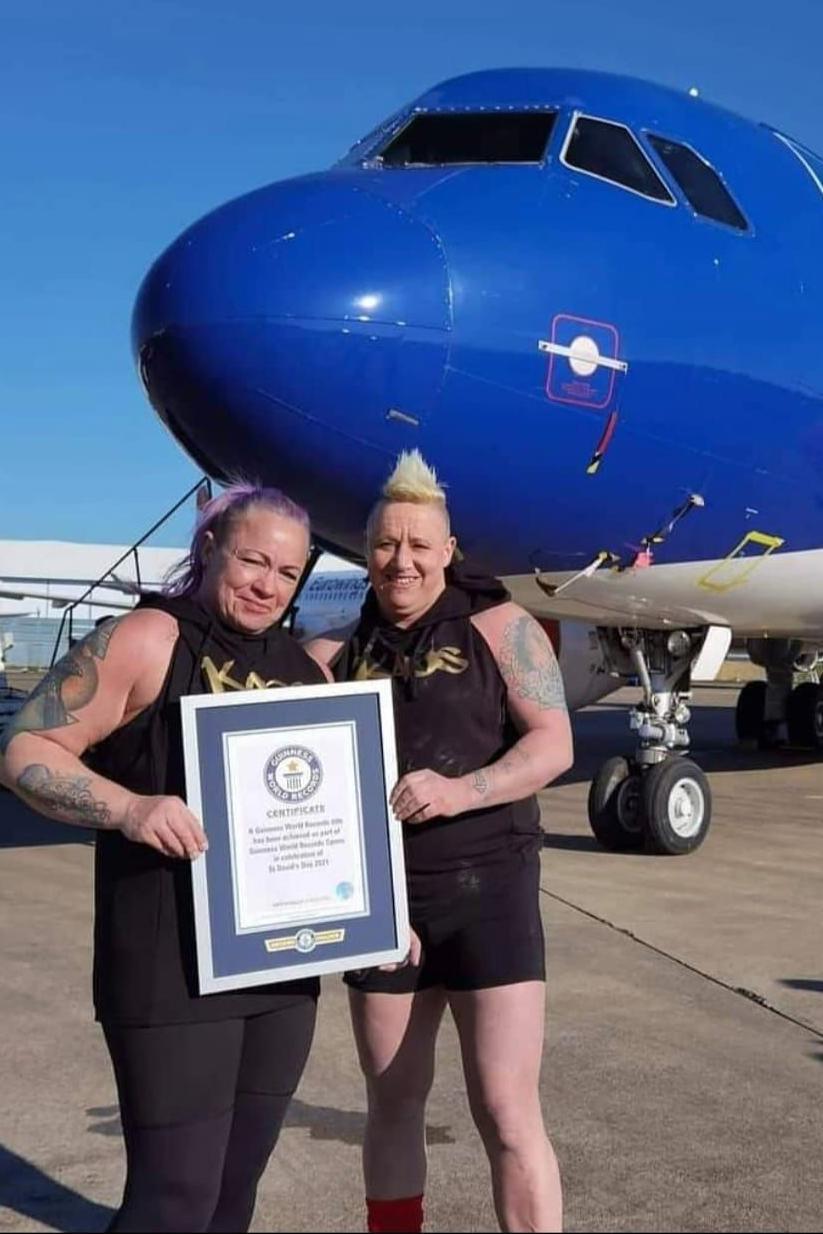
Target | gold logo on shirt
(220,679)
(437,660)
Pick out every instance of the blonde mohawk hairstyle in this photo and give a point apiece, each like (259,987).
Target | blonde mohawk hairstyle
(411,480)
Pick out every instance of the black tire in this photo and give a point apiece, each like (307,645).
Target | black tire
(751,705)
(677,806)
(615,812)
(804,716)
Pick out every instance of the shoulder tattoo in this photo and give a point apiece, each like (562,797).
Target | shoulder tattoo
(529,666)
(65,689)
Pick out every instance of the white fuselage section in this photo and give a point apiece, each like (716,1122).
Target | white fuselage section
(778,595)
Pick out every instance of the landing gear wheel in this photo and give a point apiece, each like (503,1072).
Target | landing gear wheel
(677,805)
(751,705)
(804,716)
(615,806)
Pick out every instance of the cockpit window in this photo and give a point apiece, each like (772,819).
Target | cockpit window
(611,152)
(701,185)
(434,140)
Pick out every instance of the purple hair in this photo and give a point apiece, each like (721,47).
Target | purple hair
(217,516)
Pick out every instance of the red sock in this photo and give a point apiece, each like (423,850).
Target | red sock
(404,1216)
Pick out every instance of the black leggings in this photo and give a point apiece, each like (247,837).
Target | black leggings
(202,1106)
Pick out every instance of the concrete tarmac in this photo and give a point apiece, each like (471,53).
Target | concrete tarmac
(682,1071)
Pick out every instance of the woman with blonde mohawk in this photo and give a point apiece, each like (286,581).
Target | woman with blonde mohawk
(482,725)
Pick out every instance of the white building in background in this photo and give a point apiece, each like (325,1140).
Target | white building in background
(39,578)
(54,571)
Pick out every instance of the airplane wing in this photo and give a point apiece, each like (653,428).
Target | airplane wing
(57,600)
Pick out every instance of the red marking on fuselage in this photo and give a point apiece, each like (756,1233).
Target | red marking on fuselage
(608,433)
(575,389)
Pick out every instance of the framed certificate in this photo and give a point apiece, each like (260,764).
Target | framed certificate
(304,872)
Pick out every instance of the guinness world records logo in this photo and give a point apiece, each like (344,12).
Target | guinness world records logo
(293,773)
(305,941)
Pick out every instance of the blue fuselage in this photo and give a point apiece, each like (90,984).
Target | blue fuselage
(307,332)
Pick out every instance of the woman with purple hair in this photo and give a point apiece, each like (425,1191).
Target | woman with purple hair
(204,1081)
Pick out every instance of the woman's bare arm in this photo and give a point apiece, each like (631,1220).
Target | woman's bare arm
(112,675)
(537,705)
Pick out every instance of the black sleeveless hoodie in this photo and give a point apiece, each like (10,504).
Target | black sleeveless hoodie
(145,969)
(451,716)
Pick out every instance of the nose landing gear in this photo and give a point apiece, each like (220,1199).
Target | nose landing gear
(658,800)
(614,805)
(677,806)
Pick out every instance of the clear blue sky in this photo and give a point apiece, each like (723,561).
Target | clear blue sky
(122,121)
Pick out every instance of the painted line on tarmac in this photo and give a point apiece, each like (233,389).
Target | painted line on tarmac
(750,995)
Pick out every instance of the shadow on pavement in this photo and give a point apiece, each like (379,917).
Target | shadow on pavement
(325,1123)
(321,1121)
(110,1124)
(575,843)
(26,1190)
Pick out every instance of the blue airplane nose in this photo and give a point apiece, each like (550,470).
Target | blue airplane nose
(304,317)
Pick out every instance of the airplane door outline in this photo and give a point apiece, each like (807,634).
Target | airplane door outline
(584,361)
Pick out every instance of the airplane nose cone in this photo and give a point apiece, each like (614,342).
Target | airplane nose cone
(291,319)
(307,249)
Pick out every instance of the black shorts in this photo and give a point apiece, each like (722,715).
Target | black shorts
(480,927)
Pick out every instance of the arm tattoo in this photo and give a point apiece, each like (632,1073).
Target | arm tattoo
(68,794)
(70,685)
(481,781)
(529,666)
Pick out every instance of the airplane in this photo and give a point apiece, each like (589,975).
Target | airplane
(59,600)
(594,304)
